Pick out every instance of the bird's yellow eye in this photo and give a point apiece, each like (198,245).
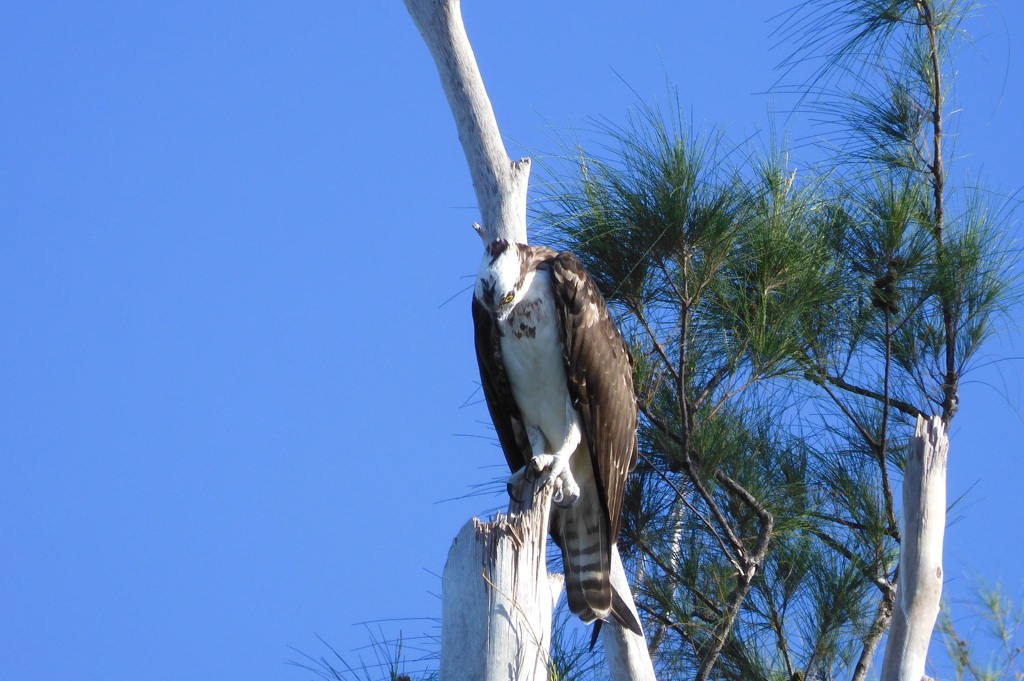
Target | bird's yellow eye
(509,298)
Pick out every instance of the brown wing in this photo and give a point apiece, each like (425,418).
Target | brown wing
(497,391)
(599,370)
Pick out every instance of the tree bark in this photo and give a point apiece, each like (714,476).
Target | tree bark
(626,653)
(500,183)
(497,598)
(924,524)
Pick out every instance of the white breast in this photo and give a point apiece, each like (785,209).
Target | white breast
(532,352)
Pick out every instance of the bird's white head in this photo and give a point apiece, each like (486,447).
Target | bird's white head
(501,282)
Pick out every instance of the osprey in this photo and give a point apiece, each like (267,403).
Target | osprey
(558,380)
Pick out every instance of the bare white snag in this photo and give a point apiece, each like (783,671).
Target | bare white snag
(500,183)
(627,654)
(920,584)
(497,599)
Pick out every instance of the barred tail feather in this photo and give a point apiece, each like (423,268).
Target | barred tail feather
(586,557)
(582,533)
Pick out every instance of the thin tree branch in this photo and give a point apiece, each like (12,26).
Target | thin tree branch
(880,625)
(668,570)
(884,585)
(682,497)
(883,464)
(713,382)
(638,313)
(698,485)
(685,415)
(746,496)
(853,419)
(778,626)
(950,387)
(743,579)
(860,527)
(905,407)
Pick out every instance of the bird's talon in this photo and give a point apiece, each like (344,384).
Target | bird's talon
(567,494)
(518,484)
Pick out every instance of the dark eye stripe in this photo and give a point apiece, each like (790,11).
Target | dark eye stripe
(488,294)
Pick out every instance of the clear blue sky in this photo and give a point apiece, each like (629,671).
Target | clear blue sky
(235,349)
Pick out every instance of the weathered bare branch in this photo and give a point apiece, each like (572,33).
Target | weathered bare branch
(500,183)
(919,590)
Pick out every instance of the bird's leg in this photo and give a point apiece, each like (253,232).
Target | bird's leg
(554,467)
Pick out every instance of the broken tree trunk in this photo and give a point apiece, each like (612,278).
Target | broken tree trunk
(920,583)
(492,564)
(497,598)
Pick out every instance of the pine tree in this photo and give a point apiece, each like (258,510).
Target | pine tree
(788,330)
